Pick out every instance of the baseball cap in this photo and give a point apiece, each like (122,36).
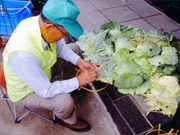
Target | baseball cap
(64,13)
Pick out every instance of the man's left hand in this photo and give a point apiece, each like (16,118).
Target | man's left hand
(83,65)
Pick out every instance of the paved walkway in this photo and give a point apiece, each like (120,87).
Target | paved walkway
(138,13)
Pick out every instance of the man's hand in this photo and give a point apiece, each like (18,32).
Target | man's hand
(89,72)
(83,65)
(86,77)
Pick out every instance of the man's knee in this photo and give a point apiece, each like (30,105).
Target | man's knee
(66,105)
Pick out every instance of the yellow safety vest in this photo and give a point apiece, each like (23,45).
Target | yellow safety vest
(26,37)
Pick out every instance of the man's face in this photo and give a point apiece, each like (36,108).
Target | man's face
(55,33)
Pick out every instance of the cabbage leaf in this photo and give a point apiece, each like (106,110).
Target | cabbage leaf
(129,64)
(163,93)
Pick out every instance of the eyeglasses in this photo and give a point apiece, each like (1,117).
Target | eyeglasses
(61,30)
(66,35)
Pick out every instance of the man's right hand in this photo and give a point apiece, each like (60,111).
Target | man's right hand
(86,76)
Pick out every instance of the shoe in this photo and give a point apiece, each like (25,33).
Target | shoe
(80,126)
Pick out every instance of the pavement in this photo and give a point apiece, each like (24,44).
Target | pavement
(138,13)
(94,13)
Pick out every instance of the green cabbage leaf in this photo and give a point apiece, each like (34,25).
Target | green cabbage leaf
(132,55)
(163,93)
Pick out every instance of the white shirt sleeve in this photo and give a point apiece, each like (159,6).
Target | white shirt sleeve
(66,53)
(28,68)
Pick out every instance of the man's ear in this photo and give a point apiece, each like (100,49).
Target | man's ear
(48,27)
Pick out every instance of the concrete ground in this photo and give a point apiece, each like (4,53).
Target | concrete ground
(138,13)
(89,107)
(93,14)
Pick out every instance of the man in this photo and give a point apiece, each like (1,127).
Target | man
(30,62)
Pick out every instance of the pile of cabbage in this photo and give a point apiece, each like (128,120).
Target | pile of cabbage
(131,65)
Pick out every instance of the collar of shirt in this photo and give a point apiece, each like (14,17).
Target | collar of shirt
(45,45)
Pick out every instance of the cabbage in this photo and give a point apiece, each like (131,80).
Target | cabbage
(123,43)
(129,64)
(169,55)
(168,89)
(148,50)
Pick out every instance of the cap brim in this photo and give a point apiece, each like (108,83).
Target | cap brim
(74,30)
